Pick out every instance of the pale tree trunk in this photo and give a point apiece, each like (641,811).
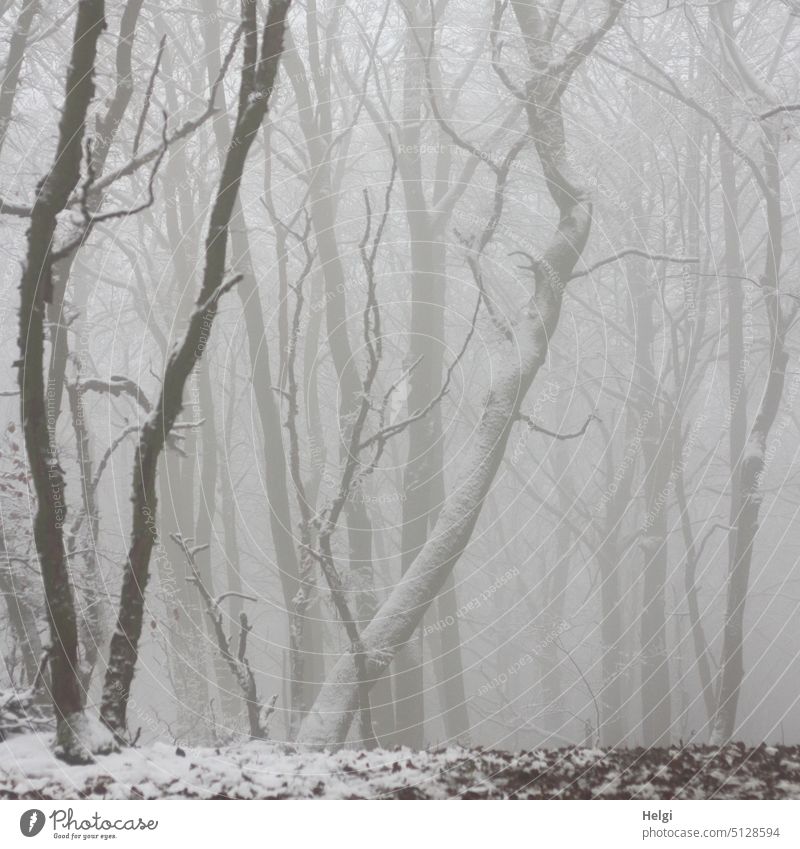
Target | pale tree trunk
(427,327)
(752,468)
(656,450)
(383,713)
(177,487)
(423,482)
(318,133)
(398,618)
(204,529)
(106,127)
(182,614)
(656,456)
(752,465)
(275,477)
(614,664)
(739,353)
(655,678)
(687,371)
(556,585)
(20,615)
(228,516)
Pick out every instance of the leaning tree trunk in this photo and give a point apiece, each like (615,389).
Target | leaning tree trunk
(275,477)
(394,624)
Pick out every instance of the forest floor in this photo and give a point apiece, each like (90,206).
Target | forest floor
(28,770)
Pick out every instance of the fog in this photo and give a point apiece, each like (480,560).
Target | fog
(424,374)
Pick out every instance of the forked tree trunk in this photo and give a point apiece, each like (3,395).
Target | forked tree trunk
(394,624)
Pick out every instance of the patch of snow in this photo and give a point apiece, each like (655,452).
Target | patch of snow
(265,770)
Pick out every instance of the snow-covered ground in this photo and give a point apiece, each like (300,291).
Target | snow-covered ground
(267,771)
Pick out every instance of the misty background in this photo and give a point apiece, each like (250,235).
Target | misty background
(393,231)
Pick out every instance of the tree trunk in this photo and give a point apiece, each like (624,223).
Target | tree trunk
(13,64)
(656,455)
(257,80)
(752,465)
(398,618)
(52,197)
(20,616)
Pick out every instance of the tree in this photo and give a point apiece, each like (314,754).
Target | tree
(780,316)
(36,290)
(259,71)
(394,623)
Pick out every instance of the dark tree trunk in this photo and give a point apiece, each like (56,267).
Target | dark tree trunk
(36,289)
(258,78)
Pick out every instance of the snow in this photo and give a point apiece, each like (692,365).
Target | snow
(393,625)
(263,770)
(83,736)
(254,770)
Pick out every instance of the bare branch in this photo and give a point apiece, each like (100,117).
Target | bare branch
(116,385)
(233,594)
(685,260)
(221,290)
(185,130)
(380,438)
(148,95)
(238,663)
(564,69)
(14,209)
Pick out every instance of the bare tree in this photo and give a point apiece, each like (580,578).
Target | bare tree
(257,714)
(259,71)
(13,65)
(396,620)
(36,289)
(750,470)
